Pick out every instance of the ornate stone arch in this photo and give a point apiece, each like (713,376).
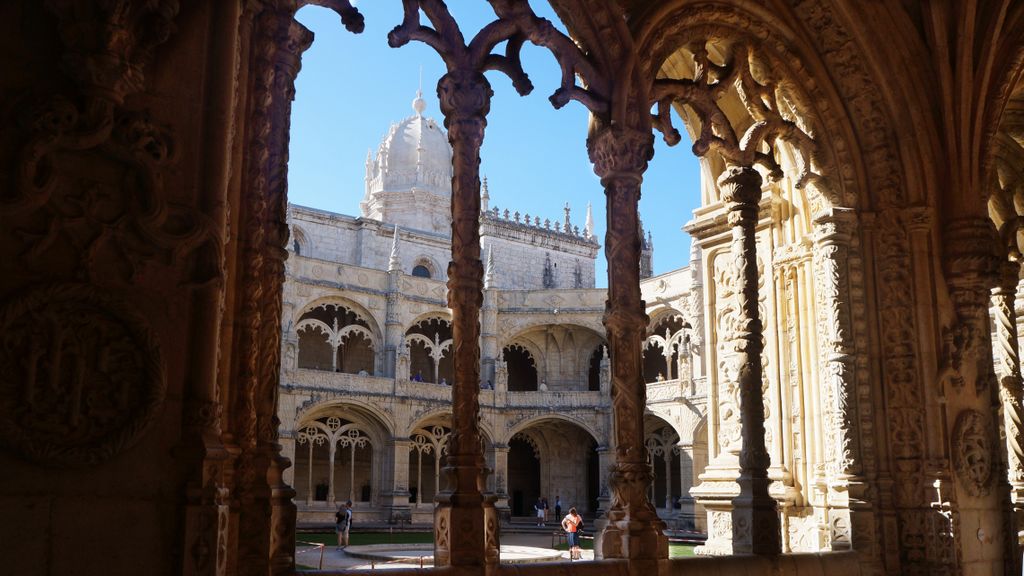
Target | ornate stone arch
(336,300)
(379,422)
(779,59)
(526,423)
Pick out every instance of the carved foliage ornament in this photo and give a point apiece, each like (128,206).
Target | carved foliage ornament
(973,451)
(81,376)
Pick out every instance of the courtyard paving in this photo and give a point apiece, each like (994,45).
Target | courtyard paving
(518,546)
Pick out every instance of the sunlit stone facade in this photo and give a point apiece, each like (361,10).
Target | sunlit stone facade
(366,337)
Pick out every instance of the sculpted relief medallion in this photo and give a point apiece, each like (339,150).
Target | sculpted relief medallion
(81,376)
(972,452)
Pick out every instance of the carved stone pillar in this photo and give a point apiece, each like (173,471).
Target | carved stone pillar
(633,531)
(1011,397)
(397,496)
(501,482)
(970,394)
(206,510)
(755,521)
(846,485)
(605,458)
(685,480)
(465,523)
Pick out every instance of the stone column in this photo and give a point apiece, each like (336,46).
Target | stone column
(604,463)
(971,392)
(398,497)
(846,484)
(755,521)
(501,482)
(331,451)
(685,479)
(465,523)
(633,531)
(1010,396)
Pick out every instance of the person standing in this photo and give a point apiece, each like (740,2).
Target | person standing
(546,508)
(342,523)
(538,509)
(571,524)
(558,506)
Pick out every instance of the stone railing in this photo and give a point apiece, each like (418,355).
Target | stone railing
(339,381)
(700,387)
(667,390)
(423,391)
(554,399)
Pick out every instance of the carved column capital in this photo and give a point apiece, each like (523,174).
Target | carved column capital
(837,226)
(970,261)
(464,94)
(618,152)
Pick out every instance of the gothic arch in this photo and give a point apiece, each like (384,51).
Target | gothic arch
(443,416)
(534,420)
(375,419)
(778,52)
(336,300)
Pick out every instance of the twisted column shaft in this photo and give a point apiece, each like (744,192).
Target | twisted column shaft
(1011,392)
(633,531)
(756,527)
(465,523)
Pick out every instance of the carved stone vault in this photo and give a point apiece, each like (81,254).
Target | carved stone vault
(859,236)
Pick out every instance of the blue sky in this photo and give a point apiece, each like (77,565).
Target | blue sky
(352,87)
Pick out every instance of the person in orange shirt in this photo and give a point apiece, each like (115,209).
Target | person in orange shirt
(571,524)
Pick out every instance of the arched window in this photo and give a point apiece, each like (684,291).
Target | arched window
(522,369)
(430,358)
(336,338)
(594,371)
(421,271)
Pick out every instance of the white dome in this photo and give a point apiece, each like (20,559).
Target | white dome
(415,153)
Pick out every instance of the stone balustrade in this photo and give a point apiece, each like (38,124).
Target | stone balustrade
(357,384)
(339,381)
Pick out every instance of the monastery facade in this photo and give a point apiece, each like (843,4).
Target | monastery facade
(367,361)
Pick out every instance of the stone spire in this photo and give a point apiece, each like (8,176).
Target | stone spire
(588,228)
(485,197)
(568,225)
(489,269)
(394,264)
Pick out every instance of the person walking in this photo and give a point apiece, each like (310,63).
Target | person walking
(342,523)
(571,524)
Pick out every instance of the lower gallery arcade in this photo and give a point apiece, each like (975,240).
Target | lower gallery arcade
(836,383)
